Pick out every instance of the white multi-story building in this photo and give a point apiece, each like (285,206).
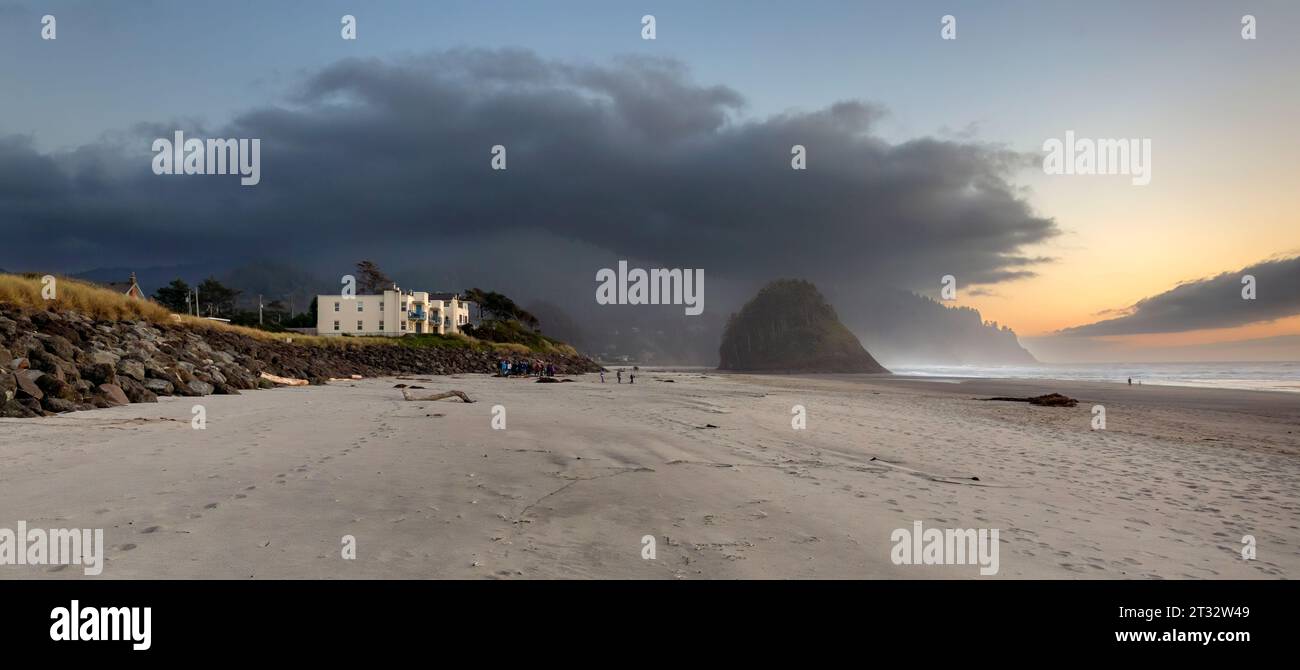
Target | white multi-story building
(392,313)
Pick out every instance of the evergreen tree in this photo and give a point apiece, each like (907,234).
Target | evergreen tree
(173,296)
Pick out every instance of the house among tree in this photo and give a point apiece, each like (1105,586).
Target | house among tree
(131,288)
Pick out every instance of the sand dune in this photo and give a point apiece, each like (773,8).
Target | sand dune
(584,470)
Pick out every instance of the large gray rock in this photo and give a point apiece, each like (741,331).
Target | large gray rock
(102,356)
(15,410)
(200,387)
(58,404)
(135,391)
(131,368)
(159,386)
(53,387)
(60,347)
(99,373)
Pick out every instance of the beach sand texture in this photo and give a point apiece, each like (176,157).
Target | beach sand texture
(584,470)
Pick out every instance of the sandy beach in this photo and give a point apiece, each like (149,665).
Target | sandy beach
(584,470)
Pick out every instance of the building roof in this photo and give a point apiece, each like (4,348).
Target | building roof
(130,288)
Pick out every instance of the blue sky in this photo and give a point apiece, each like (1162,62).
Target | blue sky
(1015,70)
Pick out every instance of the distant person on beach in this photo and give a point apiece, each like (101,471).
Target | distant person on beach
(1130,381)
(631,377)
(602,376)
(619,372)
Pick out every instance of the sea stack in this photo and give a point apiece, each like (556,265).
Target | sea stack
(789,327)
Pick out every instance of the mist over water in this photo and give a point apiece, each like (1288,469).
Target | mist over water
(1270,376)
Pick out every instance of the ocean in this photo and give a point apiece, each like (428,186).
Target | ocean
(1272,376)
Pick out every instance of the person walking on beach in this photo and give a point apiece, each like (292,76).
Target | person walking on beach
(1130,381)
(602,376)
(631,377)
(619,372)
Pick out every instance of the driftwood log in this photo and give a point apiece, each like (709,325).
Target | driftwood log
(283,381)
(436,396)
(1049,400)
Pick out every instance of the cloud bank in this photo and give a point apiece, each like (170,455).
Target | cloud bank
(1214,302)
(628,159)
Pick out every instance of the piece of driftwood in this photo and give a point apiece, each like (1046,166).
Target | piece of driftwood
(283,381)
(1049,400)
(436,396)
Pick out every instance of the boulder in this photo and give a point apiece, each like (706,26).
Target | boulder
(136,391)
(159,386)
(99,373)
(131,368)
(26,383)
(102,356)
(198,387)
(53,387)
(112,393)
(53,404)
(60,347)
(13,409)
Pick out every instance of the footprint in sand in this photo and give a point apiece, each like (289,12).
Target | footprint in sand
(152,529)
(211,505)
(126,547)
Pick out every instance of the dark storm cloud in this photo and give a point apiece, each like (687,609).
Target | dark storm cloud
(632,158)
(1214,302)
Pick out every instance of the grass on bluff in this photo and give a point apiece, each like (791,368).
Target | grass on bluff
(77,296)
(97,302)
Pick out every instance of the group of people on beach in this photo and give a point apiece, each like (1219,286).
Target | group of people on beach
(525,368)
(631,376)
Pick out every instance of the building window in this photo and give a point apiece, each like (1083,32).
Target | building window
(360,305)
(336,325)
(358,325)
(381,325)
(381,305)
(403,325)
(336,307)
